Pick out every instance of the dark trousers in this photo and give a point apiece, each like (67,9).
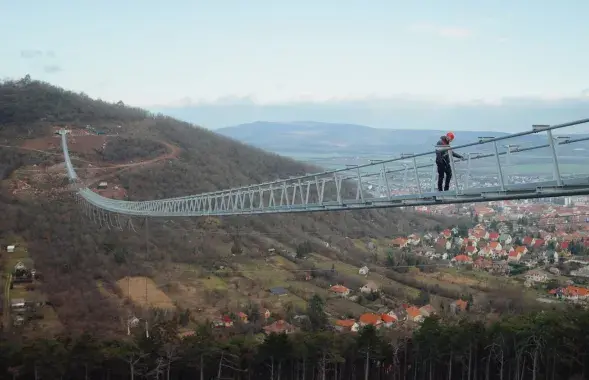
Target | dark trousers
(444,170)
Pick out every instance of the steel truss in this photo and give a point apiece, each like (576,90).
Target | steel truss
(347,189)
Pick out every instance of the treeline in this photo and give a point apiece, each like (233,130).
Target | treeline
(26,101)
(549,345)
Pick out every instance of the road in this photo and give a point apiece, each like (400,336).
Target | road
(6,314)
(173,152)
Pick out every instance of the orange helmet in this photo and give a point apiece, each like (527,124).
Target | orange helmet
(450,136)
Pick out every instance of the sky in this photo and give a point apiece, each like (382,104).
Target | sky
(193,53)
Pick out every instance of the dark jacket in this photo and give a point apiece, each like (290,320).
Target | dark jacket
(442,155)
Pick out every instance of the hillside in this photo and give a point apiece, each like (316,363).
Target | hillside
(307,138)
(202,264)
(398,113)
(334,138)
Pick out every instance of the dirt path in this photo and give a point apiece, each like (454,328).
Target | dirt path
(173,153)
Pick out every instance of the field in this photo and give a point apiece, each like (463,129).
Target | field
(209,293)
(140,289)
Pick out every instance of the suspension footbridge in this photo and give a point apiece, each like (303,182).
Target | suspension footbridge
(495,168)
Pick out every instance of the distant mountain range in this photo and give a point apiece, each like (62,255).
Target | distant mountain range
(511,114)
(308,138)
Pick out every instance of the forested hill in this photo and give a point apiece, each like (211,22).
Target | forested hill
(82,261)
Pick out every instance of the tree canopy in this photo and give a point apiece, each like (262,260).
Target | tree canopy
(546,345)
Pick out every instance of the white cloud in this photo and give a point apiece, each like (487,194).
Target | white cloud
(441,31)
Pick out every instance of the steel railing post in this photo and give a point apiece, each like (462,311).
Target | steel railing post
(434,175)
(361,193)
(498,162)
(468,168)
(556,169)
(416,175)
(453,168)
(386,181)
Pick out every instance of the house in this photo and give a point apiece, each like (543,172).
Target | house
(10,248)
(413,239)
(458,306)
(467,242)
(462,259)
(494,236)
(388,320)
(427,310)
(278,291)
(242,317)
(482,212)
(571,293)
(347,325)
(514,256)
(414,315)
(224,321)
(521,249)
(370,319)
(369,287)
(340,290)
(486,252)
(18,303)
(428,237)
(470,250)
(390,314)
(364,271)
(564,246)
(441,244)
(20,266)
(505,239)
(266,313)
(102,185)
(446,233)
(399,242)
(279,327)
(186,334)
(539,243)
(495,246)
(528,241)
(478,234)
(535,276)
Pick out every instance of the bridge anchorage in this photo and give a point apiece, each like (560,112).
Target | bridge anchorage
(527,165)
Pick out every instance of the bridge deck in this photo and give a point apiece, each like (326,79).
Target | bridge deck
(379,184)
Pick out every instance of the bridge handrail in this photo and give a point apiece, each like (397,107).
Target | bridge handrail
(312,176)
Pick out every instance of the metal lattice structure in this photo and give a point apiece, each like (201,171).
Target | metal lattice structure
(486,175)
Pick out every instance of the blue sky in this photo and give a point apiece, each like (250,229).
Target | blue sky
(182,53)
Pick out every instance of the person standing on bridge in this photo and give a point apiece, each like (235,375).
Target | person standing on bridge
(443,161)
